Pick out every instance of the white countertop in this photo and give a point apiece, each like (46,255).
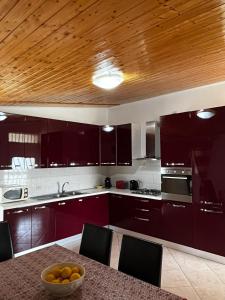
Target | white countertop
(90,192)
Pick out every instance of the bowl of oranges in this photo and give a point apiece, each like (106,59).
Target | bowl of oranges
(62,279)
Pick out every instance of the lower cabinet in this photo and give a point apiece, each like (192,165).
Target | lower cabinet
(96,210)
(43,224)
(20,226)
(209,229)
(177,220)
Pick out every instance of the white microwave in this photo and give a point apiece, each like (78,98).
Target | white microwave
(13,193)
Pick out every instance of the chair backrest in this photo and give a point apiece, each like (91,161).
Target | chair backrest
(6,249)
(141,259)
(96,243)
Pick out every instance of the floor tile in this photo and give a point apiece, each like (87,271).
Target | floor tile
(202,278)
(216,292)
(174,278)
(184,291)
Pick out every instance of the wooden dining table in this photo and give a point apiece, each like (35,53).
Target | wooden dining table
(20,279)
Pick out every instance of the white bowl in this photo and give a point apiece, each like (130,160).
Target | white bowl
(62,289)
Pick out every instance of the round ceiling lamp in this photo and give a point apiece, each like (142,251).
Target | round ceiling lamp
(2,116)
(108,80)
(206,113)
(107,128)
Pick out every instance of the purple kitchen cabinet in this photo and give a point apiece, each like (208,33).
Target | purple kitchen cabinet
(67,218)
(120,211)
(43,224)
(177,218)
(35,129)
(108,147)
(124,145)
(12,134)
(147,216)
(208,183)
(20,226)
(176,139)
(97,210)
(55,144)
(83,148)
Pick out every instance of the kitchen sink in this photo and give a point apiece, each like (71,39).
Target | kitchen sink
(51,196)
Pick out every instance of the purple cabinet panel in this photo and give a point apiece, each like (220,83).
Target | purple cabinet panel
(124,145)
(20,227)
(97,210)
(43,224)
(177,218)
(108,147)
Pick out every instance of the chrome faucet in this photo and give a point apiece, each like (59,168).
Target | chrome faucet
(63,186)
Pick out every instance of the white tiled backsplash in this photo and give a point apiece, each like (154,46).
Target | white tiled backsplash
(44,181)
(147,171)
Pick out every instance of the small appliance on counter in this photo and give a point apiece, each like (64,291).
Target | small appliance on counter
(134,185)
(108,183)
(121,184)
(11,193)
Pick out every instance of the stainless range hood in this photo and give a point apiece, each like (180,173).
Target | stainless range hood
(150,145)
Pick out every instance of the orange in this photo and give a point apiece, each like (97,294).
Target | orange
(50,277)
(66,272)
(75,270)
(65,281)
(56,271)
(56,281)
(74,276)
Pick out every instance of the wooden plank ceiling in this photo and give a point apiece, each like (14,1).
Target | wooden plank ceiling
(49,49)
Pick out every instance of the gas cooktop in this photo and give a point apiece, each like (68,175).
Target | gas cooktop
(150,192)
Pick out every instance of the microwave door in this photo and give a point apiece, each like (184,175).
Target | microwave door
(13,194)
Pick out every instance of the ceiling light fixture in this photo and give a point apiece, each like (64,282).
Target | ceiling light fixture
(107,128)
(206,113)
(108,80)
(2,116)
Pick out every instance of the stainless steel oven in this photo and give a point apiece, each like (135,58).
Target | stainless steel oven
(176,184)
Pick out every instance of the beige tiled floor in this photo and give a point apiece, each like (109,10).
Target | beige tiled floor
(183,274)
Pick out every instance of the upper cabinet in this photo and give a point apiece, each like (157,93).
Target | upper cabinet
(176,139)
(124,155)
(83,148)
(108,147)
(55,144)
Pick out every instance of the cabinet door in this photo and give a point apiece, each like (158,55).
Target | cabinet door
(124,148)
(108,147)
(69,217)
(35,129)
(20,226)
(43,224)
(83,148)
(12,133)
(176,139)
(178,222)
(56,143)
(97,210)
(120,211)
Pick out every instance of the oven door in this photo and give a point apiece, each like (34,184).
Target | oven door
(177,187)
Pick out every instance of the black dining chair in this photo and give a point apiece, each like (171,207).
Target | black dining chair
(6,248)
(96,243)
(141,259)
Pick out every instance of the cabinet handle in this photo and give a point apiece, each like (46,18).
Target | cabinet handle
(142,200)
(20,211)
(40,207)
(108,163)
(80,200)
(62,203)
(96,197)
(142,219)
(117,196)
(142,209)
(206,202)
(211,211)
(175,164)
(179,205)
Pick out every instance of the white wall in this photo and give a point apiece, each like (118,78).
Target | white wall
(151,109)
(90,115)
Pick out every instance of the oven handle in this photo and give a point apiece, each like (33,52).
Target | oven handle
(175,177)
(211,211)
